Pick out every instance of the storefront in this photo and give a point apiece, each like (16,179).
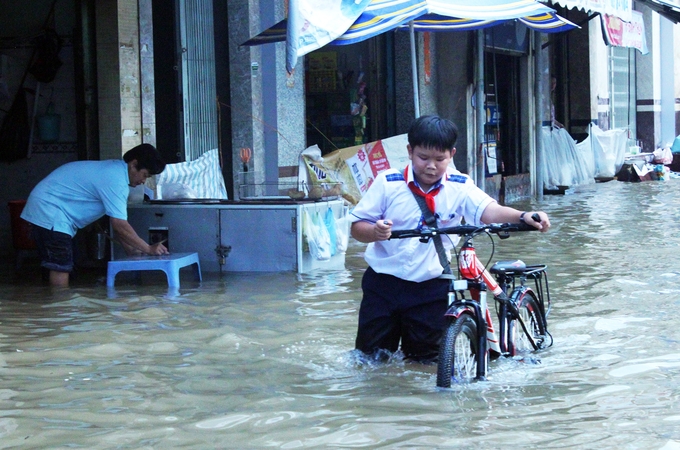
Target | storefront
(348,94)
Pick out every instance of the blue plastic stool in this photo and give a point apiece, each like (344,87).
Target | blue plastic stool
(170,264)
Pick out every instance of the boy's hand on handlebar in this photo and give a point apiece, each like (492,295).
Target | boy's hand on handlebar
(382,230)
(537,219)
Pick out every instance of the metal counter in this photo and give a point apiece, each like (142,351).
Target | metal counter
(254,236)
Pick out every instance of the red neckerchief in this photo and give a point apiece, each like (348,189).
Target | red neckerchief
(429,197)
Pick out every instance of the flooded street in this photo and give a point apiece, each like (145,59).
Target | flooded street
(264,360)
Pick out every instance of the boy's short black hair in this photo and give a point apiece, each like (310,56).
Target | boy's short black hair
(147,156)
(433,132)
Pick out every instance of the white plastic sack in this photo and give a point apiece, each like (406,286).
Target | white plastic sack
(663,155)
(316,235)
(202,176)
(329,222)
(342,226)
(174,191)
(565,163)
(609,150)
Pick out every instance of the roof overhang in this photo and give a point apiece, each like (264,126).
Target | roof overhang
(667,9)
(621,9)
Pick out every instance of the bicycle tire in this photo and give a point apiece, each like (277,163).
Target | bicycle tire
(458,352)
(530,311)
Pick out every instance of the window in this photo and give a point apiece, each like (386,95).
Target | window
(622,88)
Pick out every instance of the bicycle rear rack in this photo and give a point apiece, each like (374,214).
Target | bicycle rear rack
(539,275)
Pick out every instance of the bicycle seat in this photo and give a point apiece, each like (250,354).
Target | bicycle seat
(508,267)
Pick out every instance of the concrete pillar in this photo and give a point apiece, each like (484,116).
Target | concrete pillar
(542,105)
(599,76)
(656,83)
(676,81)
(146,60)
(479,161)
(648,84)
(267,104)
(667,81)
(454,91)
(403,82)
(118,66)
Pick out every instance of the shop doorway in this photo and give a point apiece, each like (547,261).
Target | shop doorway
(349,94)
(503,127)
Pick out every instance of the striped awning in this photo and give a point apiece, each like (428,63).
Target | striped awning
(546,23)
(436,15)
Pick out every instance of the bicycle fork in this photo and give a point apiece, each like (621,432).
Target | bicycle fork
(458,307)
(473,269)
(480,315)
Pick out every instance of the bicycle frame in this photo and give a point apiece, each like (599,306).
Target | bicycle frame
(507,273)
(473,270)
(477,279)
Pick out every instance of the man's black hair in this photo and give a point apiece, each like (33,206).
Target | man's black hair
(147,158)
(433,132)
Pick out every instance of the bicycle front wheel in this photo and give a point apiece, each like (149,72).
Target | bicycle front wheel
(458,352)
(530,312)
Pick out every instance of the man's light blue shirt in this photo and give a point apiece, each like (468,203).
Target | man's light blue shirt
(77,194)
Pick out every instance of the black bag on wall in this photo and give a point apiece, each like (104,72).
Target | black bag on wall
(15,130)
(47,62)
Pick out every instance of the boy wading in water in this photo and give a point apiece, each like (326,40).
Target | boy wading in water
(403,298)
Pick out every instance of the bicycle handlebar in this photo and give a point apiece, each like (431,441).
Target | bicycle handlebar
(463,230)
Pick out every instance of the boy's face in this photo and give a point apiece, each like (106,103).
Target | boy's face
(429,164)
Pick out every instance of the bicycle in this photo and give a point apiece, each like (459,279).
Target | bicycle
(521,310)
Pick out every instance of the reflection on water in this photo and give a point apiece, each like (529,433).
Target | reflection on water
(264,360)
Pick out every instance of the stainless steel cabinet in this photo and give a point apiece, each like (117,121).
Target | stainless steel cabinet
(189,228)
(261,240)
(236,237)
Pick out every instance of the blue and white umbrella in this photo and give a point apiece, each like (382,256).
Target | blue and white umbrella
(381,16)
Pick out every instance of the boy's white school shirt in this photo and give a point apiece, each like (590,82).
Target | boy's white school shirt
(389,197)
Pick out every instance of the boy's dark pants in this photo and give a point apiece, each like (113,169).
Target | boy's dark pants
(394,309)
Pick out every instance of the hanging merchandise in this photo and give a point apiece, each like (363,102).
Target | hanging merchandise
(491,161)
(342,226)
(329,221)
(316,235)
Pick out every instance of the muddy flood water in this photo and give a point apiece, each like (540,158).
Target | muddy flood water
(265,361)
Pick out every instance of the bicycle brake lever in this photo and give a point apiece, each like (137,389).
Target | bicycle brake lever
(536,217)
(503,235)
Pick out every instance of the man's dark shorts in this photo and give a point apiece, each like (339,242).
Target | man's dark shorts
(394,310)
(55,249)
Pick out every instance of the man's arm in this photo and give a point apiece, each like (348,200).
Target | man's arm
(131,241)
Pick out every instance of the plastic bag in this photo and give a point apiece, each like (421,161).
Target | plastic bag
(329,221)
(316,234)
(663,155)
(342,233)
(175,191)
